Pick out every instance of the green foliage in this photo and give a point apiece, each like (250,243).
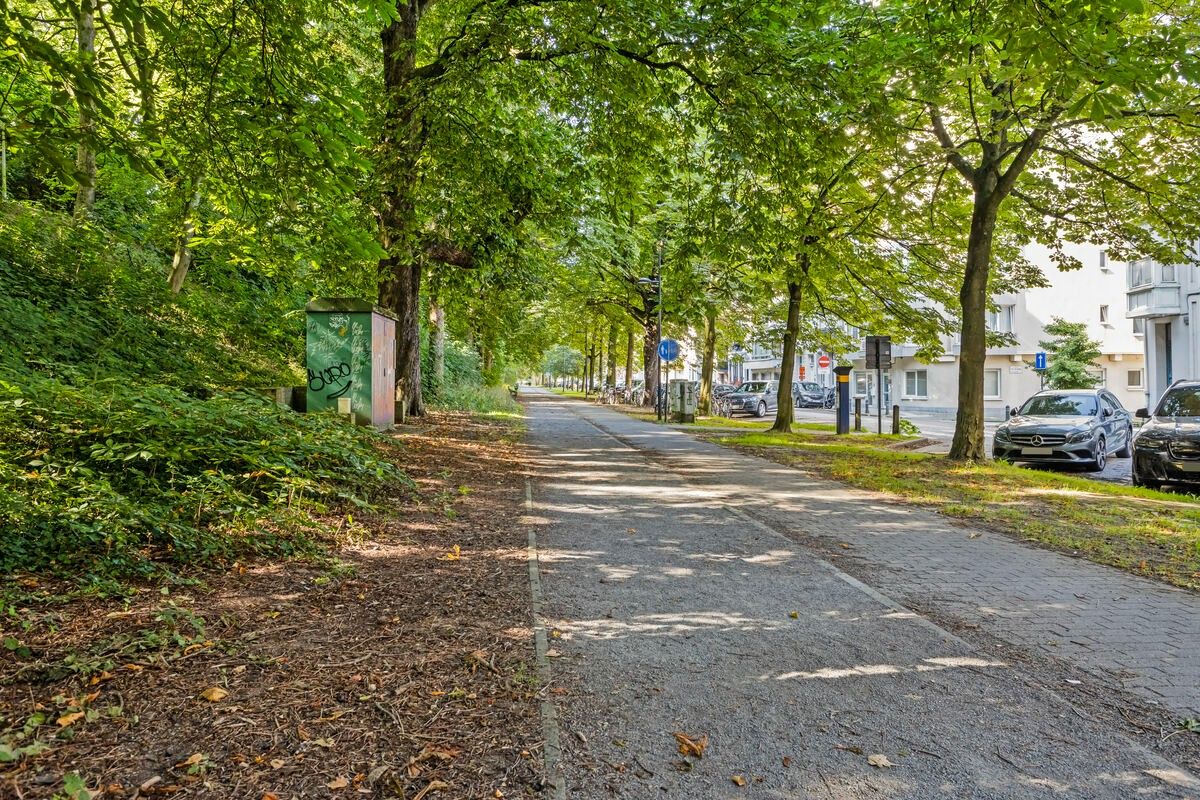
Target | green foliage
(561,360)
(485,400)
(1070,355)
(107,479)
(73,296)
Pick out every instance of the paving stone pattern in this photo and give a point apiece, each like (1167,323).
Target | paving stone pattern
(1141,632)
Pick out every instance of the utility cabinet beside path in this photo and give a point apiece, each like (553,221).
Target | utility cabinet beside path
(351,360)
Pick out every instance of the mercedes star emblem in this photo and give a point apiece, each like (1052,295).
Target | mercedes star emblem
(1036,440)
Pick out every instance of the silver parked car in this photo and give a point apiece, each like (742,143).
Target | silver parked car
(759,397)
(1066,426)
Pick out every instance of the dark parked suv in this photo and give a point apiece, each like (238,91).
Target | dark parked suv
(1167,447)
(1066,426)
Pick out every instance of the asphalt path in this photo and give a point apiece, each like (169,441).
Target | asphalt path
(673,609)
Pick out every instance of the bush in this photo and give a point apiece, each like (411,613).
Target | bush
(73,295)
(494,400)
(111,480)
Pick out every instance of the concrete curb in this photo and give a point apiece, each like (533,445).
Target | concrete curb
(551,742)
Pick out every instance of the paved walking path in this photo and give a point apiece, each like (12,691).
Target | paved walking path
(678,611)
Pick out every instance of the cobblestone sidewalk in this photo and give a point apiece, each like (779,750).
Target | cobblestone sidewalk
(1137,631)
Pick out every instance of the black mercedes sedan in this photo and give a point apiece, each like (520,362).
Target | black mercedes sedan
(1066,426)
(1167,446)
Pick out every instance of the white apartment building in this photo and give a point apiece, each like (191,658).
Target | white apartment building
(1092,295)
(1162,301)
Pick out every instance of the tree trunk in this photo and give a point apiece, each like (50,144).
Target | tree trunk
(401,144)
(968,427)
(145,69)
(610,378)
(706,361)
(437,342)
(85,152)
(785,413)
(650,364)
(629,365)
(182,261)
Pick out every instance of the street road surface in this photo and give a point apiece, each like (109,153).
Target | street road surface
(678,603)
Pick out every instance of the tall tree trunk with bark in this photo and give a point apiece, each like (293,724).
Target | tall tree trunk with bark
(437,341)
(650,364)
(610,377)
(706,361)
(182,261)
(629,365)
(85,150)
(785,413)
(968,427)
(401,144)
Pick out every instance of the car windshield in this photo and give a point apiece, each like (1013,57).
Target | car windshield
(812,387)
(1180,403)
(753,387)
(1060,405)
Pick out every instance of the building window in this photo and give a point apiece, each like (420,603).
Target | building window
(1104,314)
(1139,326)
(860,384)
(1104,262)
(991,384)
(1140,272)
(1168,273)
(1133,379)
(1100,374)
(916,383)
(1001,320)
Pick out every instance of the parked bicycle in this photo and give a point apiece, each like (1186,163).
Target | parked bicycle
(722,406)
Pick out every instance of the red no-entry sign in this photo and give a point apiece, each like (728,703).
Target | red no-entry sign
(824,361)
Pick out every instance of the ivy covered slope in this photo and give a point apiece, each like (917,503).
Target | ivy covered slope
(129,445)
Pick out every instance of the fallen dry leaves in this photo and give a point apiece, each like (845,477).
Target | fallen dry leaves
(691,745)
(214,694)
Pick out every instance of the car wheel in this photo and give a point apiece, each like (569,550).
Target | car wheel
(1127,450)
(762,409)
(1101,460)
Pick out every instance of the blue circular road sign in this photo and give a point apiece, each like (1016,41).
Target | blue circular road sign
(668,349)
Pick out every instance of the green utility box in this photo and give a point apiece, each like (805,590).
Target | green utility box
(351,360)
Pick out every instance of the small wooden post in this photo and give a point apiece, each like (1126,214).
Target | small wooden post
(896,420)
(858,414)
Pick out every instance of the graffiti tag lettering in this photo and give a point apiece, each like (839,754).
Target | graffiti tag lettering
(330,377)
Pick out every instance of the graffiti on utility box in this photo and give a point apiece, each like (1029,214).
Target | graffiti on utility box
(339,360)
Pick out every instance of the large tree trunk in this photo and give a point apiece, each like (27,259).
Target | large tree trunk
(706,361)
(785,413)
(85,152)
(610,377)
(401,293)
(437,341)
(182,261)
(968,427)
(629,365)
(400,271)
(650,364)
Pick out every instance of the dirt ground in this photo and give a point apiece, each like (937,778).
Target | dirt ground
(401,668)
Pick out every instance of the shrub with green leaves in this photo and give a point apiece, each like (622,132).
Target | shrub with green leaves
(105,479)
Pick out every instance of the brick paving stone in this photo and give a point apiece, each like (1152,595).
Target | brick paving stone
(1096,617)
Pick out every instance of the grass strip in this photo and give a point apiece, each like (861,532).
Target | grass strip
(1143,531)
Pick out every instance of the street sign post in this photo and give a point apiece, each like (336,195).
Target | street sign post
(879,358)
(1039,360)
(668,349)
(824,362)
